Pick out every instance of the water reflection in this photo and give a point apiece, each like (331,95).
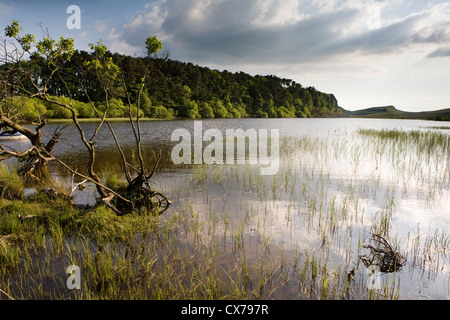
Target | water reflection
(334,188)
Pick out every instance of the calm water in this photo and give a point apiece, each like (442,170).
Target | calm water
(333,188)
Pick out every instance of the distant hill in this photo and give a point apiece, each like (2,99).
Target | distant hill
(390,112)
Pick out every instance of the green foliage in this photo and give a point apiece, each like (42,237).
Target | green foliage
(152,45)
(51,50)
(219,109)
(103,69)
(26,41)
(146,105)
(111,180)
(29,110)
(192,110)
(12,31)
(261,114)
(22,109)
(117,108)
(83,110)
(283,112)
(99,49)
(34,109)
(161,112)
(48,48)
(11,185)
(56,111)
(172,88)
(205,110)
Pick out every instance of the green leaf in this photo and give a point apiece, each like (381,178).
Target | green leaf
(26,41)
(13,30)
(153,45)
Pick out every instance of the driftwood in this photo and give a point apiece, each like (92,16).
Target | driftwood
(54,193)
(7,295)
(383,255)
(76,186)
(143,199)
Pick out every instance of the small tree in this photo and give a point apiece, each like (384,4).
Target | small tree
(153,46)
(18,85)
(18,78)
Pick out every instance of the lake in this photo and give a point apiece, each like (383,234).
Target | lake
(335,186)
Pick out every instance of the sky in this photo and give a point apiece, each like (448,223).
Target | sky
(367,53)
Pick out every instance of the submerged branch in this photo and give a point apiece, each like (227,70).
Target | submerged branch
(98,184)
(383,255)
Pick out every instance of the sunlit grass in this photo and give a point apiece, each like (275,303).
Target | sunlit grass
(11,184)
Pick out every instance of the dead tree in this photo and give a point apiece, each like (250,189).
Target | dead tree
(38,154)
(13,75)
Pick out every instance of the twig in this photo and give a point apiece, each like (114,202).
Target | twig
(107,202)
(92,180)
(384,256)
(73,188)
(9,297)
(154,167)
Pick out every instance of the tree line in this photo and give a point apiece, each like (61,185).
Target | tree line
(172,89)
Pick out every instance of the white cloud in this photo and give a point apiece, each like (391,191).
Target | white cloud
(116,44)
(319,42)
(440,52)
(130,38)
(278,12)
(100,26)
(291,30)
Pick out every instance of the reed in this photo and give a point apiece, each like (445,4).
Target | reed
(11,184)
(233,234)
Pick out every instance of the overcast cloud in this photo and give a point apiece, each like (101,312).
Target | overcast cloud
(275,31)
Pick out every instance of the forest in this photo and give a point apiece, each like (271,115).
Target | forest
(173,89)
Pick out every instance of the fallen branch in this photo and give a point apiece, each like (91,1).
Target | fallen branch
(76,186)
(383,255)
(107,202)
(6,154)
(9,297)
(22,218)
(92,180)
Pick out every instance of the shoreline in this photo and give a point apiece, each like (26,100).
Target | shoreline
(379,117)
(49,121)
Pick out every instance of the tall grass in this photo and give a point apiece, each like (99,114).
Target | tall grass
(234,234)
(11,184)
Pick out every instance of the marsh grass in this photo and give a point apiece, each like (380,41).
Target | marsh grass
(11,184)
(234,234)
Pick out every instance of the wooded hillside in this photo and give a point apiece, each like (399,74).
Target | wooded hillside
(178,89)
